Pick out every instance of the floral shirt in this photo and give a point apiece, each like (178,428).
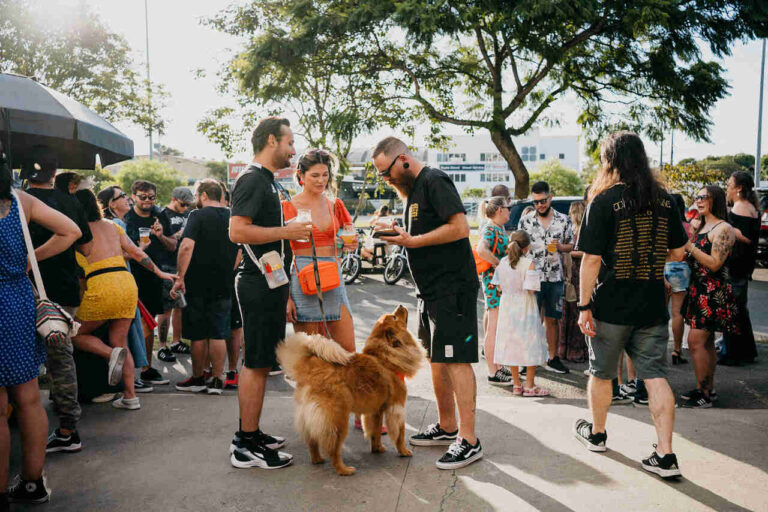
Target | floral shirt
(559,230)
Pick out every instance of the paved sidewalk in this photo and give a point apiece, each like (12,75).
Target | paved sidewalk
(172,454)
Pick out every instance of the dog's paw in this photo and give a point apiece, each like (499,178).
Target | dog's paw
(318,460)
(345,471)
(378,449)
(406,453)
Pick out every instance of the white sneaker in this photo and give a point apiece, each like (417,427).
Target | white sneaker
(127,403)
(104,398)
(116,360)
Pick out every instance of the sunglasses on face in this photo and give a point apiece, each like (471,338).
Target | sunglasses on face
(119,196)
(386,172)
(144,197)
(702,197)
(184,205)
(540,201)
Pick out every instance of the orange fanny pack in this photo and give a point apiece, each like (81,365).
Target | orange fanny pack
(481,264)
(329,277)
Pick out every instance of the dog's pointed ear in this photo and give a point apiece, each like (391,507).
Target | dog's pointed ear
(401,313)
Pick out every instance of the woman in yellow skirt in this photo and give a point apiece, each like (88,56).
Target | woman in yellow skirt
(110,297)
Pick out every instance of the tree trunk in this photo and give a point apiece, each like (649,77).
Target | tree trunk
(504,143)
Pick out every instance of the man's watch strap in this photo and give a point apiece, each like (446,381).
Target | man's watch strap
(585,307)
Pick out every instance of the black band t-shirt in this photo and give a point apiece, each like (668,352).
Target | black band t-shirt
(445,268)
(256,196)
(633,247)
(60,272)
(210,271)
(155,250)
(176,223)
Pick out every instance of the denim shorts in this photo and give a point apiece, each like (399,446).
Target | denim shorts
(551,296)
(206,318)
(646,346)
(308,306)
(678,275)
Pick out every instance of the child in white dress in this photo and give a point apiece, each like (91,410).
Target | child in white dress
(520,336)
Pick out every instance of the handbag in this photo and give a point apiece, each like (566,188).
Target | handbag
(54,325)
(483,265)
(327,271)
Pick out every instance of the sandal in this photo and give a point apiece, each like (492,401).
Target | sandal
(517,390)
(677,358)
(535,391)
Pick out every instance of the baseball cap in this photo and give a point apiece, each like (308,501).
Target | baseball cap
(40,165)
(183,194)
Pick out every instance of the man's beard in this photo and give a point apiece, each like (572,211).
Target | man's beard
(144,209)
(281,161)
(545,213)
(404,185)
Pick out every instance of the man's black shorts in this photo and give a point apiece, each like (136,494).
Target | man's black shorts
(448,327)
(150,289)
(263,311)
(235,319)
(206,318)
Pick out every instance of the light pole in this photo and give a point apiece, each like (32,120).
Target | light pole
(149,86)
(760,119)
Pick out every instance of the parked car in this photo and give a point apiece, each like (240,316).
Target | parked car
(762,245)
(561,204)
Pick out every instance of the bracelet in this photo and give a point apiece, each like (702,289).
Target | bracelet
(586,307)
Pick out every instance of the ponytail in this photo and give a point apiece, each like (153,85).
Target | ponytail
(518,241)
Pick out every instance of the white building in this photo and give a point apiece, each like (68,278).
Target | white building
(473,161)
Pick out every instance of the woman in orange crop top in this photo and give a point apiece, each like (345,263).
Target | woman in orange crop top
(315,174)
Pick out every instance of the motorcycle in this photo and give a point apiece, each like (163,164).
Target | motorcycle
(393,264)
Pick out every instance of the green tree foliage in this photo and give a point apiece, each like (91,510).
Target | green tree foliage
(499,66)
(72,51)
(562,180)
(218,170)
(744,160)
(688,178)
(165,177)
(473,193)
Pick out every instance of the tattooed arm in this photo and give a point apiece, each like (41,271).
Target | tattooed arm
(722,238)
(137,254)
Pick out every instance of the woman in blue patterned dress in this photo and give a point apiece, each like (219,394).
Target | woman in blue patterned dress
(492,246)
(20,352)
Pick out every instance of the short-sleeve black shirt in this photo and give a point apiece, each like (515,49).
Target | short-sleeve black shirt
(445,268)
(210,271)
(256,196)
(60,272)
(630,285)
(176,222)
(156,250)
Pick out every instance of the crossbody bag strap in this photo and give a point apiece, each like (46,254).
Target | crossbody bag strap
(248,249)
(30,248)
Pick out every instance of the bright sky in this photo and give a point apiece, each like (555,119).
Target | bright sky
(179,45)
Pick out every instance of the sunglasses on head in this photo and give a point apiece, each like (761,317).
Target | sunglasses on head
(386,172)
(702,197)
(540,201)
(145,197)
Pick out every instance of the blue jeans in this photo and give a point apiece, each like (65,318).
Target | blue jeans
(136,342)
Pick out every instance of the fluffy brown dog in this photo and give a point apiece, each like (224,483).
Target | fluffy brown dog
(331,383)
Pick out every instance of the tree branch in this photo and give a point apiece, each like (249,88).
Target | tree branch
(536,113)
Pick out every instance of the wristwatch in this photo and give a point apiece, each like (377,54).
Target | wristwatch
(586,307)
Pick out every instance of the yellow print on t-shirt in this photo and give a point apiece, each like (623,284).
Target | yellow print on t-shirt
(640,251)
(414,213)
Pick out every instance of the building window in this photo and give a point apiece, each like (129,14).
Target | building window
(562,156)
(491,157)
(482,177)
(451,157)
(542,156)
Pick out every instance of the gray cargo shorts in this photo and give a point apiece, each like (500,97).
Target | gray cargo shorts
(646,346)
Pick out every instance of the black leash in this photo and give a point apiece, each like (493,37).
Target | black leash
(317,283)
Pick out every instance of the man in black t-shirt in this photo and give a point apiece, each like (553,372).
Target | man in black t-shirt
(176,213)
(146,215)
(630,229)
(60,278)
(436,238)
(205,266)
(257,223)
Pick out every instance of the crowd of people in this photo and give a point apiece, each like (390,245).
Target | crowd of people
(228,271)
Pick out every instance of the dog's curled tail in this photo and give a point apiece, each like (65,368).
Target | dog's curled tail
(300,345)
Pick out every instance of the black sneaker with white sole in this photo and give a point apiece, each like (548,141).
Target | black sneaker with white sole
(271,442)
(165,355)
(697,400)
(665,467)
(31,492)
(434,436)
(152,376)
(252,454)
(58,442)
(500,379)
(215,386)
(180,348)
(460,454)
(595,442)
(192,385)
(139,386)
(275,370)
(505,370)
(687,395)
(556,365)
